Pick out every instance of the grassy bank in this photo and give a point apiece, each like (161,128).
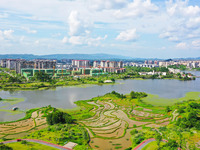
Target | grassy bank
(160,101)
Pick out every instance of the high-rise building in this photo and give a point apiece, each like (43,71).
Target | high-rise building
(81,63)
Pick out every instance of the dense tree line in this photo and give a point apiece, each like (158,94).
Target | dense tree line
(181,67)
(146,69)
(42,77)
(138,94)
(118,94)
(58,117)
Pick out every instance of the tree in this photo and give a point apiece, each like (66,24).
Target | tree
(58,117)
(168,109)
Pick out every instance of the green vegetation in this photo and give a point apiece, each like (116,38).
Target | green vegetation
(29,146)
(42,77)
(62,133)
(9,80)
(137,94)
(146,69)
(178,66)
(159,101)
(117,117)
(182,132)
(152,146)
(57,116)
(5,147)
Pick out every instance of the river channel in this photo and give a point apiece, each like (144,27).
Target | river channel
(64,97)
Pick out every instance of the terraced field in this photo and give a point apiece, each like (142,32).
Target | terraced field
(23,127)
(110,127)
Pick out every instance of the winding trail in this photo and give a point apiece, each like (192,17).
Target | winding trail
(40,142)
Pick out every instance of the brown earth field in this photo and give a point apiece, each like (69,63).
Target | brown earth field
(110,127)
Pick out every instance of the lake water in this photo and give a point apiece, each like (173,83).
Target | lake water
(64,97)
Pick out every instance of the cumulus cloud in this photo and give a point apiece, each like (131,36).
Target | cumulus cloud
(181,8)
(6,34)
(128,35)
(136,8)
(184,21)
(181,45)
(77,26)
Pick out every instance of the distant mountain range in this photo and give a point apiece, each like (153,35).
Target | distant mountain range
(65,56)
(82,56)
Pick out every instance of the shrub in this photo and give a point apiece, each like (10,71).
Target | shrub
(5,147)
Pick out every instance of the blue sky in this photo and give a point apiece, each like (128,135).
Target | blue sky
(136,28)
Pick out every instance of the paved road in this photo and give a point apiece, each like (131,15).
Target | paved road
(144,143)
(40,142)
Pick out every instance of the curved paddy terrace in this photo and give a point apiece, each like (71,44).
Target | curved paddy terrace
(114,118)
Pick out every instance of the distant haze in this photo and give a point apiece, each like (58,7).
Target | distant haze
(80,56)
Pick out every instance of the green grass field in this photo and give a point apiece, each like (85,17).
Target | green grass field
(160,101)
(152,146)
(30,146)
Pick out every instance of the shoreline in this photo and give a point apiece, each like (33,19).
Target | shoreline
(195,95)
(46,87)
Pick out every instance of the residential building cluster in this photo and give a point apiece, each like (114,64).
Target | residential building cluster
(19,64)
(188,64)
(63,68)
(109,66)
(156,63)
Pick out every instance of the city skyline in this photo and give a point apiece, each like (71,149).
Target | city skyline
(135,28)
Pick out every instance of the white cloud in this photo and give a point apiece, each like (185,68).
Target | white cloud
(76,40)
(183,22)
(95,41)
(165,35)
(6,34)
(128,35)
(28,30)
(136,8)
(181,8)
(107,4)
(76,25)
(181,45)
(83,40)
(65,40)
(173,39)
(196,43)
(193,22)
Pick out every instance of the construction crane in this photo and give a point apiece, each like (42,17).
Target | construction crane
(62,71)
(53,70)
